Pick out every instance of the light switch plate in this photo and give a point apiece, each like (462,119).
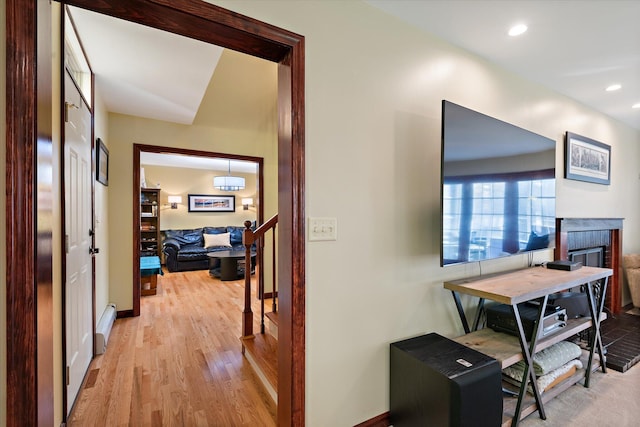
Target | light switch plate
(323,229)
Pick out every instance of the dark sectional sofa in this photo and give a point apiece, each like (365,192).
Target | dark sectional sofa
(184,250)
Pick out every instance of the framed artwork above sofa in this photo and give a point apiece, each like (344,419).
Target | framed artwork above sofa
(211,203)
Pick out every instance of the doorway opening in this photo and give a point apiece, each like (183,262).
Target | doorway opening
(139,151)
(198,20)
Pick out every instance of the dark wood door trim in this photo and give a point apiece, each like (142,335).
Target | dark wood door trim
(195,19)
(29,304)
(20,216)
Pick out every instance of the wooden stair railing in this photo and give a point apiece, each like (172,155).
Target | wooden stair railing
(249,237)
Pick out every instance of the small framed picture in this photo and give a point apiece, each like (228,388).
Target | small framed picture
(587,160)
(102,162)
(208,203)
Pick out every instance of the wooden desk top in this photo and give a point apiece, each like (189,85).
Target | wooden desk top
(519,286)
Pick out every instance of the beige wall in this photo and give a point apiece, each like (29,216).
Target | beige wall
(184,181)
(373,92)
(101,224)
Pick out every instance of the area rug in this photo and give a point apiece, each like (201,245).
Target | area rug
(621,339)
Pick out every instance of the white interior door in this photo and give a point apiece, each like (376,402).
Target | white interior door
(77,199)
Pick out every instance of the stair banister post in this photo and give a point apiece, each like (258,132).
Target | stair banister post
(247,314)
(274,290)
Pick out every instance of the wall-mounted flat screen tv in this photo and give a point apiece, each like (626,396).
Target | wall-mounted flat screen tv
(498,193)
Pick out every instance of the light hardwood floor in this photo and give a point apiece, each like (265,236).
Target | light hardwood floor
(178,364)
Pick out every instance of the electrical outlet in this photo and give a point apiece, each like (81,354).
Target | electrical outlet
(323,229)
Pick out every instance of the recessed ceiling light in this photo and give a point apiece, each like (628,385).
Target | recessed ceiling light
(516,30)
(636,105)
(613,87)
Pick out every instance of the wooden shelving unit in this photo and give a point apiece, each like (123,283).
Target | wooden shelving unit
(518,287)
(506,349)
(529,405)
(149,222)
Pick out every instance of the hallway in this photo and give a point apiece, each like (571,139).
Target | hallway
(179,363)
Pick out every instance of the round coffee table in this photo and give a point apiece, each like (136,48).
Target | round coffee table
(228,264)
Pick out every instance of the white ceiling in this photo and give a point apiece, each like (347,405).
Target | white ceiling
(197,162)
(134,74)
(575,47)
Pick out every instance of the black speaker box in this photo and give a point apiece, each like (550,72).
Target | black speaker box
(435,382)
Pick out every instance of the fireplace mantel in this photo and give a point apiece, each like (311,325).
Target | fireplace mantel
(589,224)
(613,250)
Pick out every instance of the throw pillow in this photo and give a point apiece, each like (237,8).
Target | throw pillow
(547,381)
(217,240)
(537,242)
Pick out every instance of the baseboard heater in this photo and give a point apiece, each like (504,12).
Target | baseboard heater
(104,328)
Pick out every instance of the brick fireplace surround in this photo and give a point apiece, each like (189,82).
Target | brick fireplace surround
(576,234)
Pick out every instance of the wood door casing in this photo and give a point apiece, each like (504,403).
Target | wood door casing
(196,19)
(140,148)
(28,226)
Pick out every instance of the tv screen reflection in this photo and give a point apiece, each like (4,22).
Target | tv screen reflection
(498,188)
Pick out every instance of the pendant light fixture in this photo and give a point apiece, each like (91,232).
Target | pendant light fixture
(228,182)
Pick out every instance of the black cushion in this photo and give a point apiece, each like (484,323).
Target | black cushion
(192,253)
(171,244)
(215,230)
(191,237)
(235,235)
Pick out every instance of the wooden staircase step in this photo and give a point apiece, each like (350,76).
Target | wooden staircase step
(271,324)
(273,317)
(261,350)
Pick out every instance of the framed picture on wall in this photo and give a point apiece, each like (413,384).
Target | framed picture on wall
(102,162)
(587,160)
(210,203)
